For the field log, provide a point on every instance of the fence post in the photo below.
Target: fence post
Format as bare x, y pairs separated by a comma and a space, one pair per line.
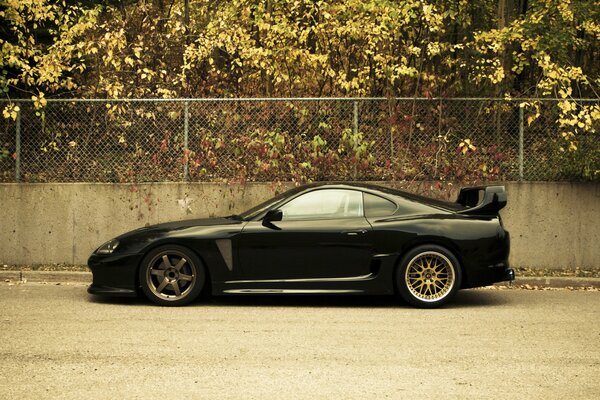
391, 130
520, 143
18, 147
355, 132
186, 128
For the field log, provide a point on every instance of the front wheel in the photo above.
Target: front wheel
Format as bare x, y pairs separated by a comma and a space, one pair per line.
428, 276
171, 276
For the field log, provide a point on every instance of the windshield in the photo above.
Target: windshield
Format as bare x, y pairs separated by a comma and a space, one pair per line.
262, 207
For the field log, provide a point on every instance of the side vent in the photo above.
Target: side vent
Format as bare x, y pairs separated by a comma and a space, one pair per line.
224, 246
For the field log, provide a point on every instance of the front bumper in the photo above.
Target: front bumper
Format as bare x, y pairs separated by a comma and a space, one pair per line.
114, 274
111, 291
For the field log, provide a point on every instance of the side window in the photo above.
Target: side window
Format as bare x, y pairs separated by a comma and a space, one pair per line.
325, 204
376, 206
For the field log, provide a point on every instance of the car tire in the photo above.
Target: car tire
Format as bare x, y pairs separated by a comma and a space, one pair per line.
428, 276
172, 275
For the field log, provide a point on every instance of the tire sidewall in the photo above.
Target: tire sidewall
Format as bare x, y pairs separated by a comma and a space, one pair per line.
196, 264
405, 292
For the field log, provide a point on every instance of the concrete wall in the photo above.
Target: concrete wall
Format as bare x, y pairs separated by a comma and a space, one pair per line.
552, 225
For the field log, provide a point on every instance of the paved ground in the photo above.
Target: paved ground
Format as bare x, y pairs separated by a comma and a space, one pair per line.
57, 342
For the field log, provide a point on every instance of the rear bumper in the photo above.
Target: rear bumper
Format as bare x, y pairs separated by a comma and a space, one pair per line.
489, 276
509, 275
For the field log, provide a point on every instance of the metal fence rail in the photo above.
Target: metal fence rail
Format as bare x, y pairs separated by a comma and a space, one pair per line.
146, 140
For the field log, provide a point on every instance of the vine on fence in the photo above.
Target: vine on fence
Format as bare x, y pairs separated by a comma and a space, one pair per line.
262, 154
300, 141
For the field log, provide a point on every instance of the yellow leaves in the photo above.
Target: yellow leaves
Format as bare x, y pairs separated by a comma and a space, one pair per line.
581, 117
595, 113
52, 145
432, 17
11, 111
592, 28
466, 146
576, 119
433, 49
564, 8
146, 73
114, 89
43, 63
571, 148
567, 135
414, 50
488, 69
532, 106
497, 74
567, 106
39, 101
292, 48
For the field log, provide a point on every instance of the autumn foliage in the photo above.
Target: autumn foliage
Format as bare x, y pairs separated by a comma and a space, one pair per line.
307, 48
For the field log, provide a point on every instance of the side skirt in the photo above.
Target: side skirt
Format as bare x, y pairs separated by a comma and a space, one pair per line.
290, 291
378, 282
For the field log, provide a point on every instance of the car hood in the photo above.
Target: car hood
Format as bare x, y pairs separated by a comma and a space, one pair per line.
136, 240
178, 225
170, 226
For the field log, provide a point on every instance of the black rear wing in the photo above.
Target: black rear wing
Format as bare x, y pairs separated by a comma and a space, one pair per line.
482, 200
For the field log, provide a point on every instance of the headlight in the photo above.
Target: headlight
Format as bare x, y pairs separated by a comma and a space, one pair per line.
108, 247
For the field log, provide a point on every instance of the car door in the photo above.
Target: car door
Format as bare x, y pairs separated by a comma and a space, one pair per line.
323, 234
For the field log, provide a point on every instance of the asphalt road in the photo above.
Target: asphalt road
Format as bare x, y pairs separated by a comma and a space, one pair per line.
58, 342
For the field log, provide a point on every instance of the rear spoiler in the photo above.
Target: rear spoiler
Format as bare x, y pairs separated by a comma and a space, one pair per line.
482, 200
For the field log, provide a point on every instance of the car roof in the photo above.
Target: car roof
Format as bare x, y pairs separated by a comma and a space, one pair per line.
369, 187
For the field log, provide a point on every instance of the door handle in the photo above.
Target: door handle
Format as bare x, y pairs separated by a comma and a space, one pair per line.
355, 233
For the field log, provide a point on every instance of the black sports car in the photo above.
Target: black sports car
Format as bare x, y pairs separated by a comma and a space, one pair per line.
318, 238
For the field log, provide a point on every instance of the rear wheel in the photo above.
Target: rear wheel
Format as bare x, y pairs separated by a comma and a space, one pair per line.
428, 276
171, 276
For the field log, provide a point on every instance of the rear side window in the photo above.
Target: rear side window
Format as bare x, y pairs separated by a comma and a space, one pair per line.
376, 206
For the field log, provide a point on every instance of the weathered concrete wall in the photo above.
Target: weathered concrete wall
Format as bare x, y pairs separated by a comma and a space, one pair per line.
64, 223
552, 225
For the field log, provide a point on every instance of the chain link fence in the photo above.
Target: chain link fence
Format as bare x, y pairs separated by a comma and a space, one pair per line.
455, 140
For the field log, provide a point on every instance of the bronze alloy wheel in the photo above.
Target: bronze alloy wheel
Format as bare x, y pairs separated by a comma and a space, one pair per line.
172, 275
430, 276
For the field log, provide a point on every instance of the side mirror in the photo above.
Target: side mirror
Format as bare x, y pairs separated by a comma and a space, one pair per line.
272, 216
